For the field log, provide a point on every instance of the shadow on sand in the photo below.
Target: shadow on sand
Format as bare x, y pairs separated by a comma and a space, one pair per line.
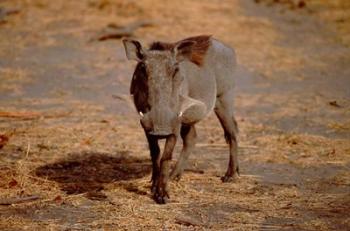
88, 172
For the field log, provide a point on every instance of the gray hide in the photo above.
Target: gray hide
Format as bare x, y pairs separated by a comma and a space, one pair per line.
172, 92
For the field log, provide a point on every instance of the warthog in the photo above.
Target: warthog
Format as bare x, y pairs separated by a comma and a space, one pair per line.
176, 85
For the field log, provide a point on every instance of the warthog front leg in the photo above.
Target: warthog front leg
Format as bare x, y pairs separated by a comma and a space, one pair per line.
161, 195
192, 110
188, 135
224, 112
154, 151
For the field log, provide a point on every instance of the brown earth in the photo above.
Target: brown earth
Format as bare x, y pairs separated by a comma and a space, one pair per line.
69, 135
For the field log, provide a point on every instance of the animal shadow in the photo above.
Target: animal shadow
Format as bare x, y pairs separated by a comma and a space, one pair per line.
89, 172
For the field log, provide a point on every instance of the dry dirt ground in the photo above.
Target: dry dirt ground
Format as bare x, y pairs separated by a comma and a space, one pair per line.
70, 137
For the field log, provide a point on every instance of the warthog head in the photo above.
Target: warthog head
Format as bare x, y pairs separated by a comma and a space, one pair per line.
158, 85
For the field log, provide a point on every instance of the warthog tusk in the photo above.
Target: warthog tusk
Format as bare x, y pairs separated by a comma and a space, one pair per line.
141, 114
180, 113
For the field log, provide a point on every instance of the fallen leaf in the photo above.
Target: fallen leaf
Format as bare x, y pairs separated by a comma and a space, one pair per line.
3, 140
301, 4
58, 200
13, 183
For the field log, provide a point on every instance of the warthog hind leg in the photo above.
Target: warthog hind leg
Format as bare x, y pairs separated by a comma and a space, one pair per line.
224, 112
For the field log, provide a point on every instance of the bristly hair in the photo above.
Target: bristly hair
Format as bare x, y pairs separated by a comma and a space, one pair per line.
161, 46
198, 51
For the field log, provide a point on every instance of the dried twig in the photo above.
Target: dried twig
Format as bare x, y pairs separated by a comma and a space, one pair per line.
5, 12
30, 115
17, 200
225, 145
199, 171
28, 149
187, 221
334, 104
117, 32
125, 98
22, 115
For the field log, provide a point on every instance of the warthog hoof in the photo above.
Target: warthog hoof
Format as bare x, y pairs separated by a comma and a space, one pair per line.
160, 193
229, 177
176, 175
226, 179
161, 198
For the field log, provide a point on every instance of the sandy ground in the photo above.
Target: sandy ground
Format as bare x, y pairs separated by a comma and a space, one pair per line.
69, 135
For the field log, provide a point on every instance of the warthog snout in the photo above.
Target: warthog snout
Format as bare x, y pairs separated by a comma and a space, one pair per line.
159, 121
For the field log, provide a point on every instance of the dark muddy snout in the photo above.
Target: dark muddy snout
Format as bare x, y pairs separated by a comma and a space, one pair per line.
159, 121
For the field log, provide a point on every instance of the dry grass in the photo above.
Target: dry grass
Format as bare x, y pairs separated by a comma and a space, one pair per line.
334, 13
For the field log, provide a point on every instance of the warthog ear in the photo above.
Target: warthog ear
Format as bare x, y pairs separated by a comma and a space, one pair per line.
183, 50
133, 50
